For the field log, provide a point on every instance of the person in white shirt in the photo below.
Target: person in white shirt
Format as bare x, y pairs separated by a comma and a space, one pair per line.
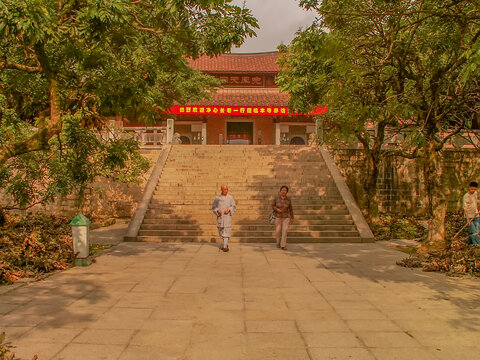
470, 207
224, 207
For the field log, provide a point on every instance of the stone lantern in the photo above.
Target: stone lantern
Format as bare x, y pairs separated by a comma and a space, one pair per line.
81, 244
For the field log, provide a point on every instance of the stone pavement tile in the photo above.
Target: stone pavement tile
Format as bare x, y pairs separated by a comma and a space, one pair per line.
269, 315
13, 332
384, 339
215, 352
354, 314
350, 353
16, 319
170, 313
189, 285
278, 326
136, 352
139, 300
90, 352
274, 340
105, 337
223, 340
320, 275
36, 309
408, 354
74, 317
408, 313
316, 326
150, 286
44, 350
215, 327
349, 304
277, 304
225, 305
185, 326
444, 339
121, 318
50, 335
301, 302
320, 315
373, 325
277, 354
332, 339
458, 352
175, 342
424, 325
5, 307
100, 300
220, 315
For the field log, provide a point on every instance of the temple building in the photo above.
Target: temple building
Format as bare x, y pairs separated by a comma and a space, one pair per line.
249, 109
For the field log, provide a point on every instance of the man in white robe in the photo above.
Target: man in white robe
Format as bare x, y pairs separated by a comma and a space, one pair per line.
224, 207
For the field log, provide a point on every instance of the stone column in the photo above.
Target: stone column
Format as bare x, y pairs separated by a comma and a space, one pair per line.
170, 130
277, 133
204, 133
319, 130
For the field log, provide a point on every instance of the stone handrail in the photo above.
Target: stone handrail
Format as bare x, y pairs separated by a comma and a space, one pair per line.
142, 206
362, 226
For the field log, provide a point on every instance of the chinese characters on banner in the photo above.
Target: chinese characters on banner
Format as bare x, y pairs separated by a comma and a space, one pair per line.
238, 110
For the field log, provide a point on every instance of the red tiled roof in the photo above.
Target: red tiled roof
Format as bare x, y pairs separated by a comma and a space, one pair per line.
238, 63
247, 97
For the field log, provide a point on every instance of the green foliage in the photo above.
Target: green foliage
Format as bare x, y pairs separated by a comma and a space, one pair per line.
74, 159
5, 353
66, 65
32, 246
390, 227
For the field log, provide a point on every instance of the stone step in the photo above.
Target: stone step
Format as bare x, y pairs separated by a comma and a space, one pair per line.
332, 220
265, 207
246, 233
244, 227
174, 198
259, 204
207, 239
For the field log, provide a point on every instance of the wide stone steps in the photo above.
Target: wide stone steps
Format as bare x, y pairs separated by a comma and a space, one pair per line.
180, 208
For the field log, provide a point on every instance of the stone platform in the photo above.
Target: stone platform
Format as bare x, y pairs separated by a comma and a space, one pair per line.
191, 301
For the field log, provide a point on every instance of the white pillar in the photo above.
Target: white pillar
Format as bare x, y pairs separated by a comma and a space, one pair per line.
170, 130
277, 133
204, 133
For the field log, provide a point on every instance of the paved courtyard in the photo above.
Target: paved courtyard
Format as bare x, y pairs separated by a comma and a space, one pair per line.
192, 301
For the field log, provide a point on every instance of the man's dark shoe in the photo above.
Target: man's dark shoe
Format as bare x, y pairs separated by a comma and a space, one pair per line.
225, 249
278, 246
284, 248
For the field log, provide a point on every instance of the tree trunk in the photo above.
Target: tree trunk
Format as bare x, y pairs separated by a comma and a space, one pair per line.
370, 187
2, 216
437, 204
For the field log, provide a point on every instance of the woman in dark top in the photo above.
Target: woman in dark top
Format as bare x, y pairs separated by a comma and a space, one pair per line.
282, 206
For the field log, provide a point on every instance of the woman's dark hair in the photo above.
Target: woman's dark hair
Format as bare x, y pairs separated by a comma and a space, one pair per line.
284, 186
473, 183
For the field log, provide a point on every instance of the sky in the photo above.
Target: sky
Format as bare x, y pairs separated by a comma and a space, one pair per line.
279, 20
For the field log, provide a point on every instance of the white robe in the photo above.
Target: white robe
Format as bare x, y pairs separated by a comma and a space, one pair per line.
224, 221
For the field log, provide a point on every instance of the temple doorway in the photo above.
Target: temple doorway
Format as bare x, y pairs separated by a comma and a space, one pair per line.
240, 133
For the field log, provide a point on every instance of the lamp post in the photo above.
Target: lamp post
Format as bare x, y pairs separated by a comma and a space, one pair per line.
81, 244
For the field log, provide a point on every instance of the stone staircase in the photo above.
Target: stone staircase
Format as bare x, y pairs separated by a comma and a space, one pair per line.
180, 208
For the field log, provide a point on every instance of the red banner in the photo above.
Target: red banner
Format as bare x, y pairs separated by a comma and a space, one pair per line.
239, 110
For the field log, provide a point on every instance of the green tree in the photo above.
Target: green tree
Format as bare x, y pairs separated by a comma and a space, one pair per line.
87, 59
410, 58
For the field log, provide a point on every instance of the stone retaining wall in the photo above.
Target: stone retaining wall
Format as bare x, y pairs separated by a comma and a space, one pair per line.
104, 199
400, 186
